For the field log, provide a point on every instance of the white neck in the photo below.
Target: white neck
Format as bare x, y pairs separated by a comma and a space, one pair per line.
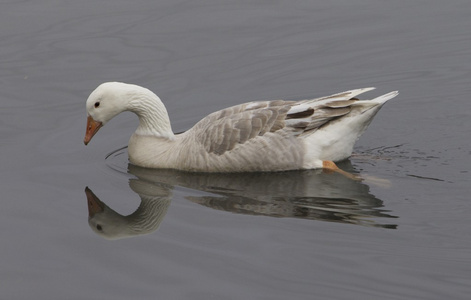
153, 116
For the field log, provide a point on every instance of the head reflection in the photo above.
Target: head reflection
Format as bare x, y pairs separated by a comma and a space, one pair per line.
104, 221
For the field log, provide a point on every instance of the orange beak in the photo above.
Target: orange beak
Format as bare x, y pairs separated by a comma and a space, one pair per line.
94, 204
92, 128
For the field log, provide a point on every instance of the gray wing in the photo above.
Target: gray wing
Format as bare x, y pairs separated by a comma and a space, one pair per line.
223, 130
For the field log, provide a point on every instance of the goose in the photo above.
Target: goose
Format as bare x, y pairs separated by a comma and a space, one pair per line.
265, 136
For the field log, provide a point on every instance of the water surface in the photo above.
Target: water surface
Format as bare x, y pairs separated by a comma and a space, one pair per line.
290, 235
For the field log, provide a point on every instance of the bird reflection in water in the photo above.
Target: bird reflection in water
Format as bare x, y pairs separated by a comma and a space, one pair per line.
155, 200
309, 194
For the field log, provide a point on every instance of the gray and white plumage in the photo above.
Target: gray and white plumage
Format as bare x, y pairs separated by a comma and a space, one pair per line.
255, 136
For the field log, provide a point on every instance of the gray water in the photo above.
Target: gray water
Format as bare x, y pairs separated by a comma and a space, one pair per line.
403, 234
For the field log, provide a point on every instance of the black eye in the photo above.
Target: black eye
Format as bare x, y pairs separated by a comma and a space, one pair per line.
98, 226
97, 104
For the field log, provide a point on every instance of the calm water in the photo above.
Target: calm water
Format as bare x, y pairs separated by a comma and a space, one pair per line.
403, 234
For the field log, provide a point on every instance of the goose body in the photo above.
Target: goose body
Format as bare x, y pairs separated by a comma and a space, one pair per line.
273, 135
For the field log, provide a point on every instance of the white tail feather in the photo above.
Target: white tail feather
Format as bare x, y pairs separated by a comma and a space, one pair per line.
386, 97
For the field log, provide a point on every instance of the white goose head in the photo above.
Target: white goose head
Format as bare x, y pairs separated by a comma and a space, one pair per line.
112, 98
